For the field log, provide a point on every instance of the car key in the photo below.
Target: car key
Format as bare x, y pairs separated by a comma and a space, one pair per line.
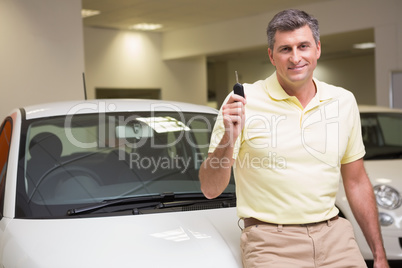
238, 88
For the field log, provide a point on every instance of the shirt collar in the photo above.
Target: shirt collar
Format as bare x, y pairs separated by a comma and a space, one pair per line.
275, 90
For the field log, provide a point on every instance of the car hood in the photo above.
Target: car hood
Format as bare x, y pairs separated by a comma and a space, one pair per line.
207, 238
385, 172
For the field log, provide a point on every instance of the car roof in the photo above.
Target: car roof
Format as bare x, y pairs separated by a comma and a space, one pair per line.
111, 105
377, 109
137, 105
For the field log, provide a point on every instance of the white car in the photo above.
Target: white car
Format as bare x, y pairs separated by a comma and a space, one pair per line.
382, 137
111, 183
114, 183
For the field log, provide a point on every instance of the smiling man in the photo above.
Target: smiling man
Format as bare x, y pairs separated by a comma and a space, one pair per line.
314, 128
295, 58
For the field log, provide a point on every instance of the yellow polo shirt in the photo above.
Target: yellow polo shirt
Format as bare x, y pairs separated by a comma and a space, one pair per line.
288, 159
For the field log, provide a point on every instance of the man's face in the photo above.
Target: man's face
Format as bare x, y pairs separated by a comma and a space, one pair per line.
295, 56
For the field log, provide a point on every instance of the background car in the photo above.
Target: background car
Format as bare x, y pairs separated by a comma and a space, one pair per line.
111, 183
382, 137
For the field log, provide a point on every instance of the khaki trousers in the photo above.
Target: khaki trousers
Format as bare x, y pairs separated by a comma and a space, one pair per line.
329, 244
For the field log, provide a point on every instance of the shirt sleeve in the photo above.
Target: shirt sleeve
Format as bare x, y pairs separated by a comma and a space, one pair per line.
355, 147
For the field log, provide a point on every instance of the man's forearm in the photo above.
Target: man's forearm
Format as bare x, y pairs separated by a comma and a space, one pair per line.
215, 171
359, 192
365, 212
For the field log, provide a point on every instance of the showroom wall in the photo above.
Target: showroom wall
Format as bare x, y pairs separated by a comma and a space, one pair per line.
41, 52
334, 16
133, 60
355, 73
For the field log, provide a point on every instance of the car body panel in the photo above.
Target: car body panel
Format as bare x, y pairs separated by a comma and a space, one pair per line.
378, 109
173, 239
12, 166
110, 105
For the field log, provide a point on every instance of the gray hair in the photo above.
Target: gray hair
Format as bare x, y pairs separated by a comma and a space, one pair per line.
290, 20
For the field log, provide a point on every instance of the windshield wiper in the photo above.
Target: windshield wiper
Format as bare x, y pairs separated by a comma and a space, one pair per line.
164, 200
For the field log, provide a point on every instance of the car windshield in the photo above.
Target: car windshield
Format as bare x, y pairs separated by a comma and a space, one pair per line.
382, 135
73, 161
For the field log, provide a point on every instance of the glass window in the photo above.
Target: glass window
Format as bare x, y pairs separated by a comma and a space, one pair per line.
391, 126
382, 135
86, 159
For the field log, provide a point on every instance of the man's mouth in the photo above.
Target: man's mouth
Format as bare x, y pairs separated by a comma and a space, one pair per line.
297, 68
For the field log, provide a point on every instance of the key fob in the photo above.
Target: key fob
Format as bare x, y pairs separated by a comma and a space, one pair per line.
238, 88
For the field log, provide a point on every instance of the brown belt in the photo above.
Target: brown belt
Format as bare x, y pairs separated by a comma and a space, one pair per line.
252, 221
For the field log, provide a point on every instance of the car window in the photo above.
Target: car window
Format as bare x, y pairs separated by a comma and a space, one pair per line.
5, 140
201, 129
391, 126
382, 135
87, 159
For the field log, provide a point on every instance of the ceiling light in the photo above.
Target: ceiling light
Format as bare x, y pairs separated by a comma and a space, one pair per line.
89, 12
364, 45
146, 26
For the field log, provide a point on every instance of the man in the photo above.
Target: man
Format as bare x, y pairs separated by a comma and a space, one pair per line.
289, 144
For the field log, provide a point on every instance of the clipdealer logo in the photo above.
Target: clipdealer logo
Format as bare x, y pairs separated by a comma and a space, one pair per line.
319, 138
108, 123
88, 107
326, 121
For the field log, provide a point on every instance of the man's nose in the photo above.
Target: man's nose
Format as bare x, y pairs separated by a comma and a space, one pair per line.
295, 57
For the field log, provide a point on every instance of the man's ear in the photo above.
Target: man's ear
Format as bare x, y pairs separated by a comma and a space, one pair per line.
271, 56
318, 49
